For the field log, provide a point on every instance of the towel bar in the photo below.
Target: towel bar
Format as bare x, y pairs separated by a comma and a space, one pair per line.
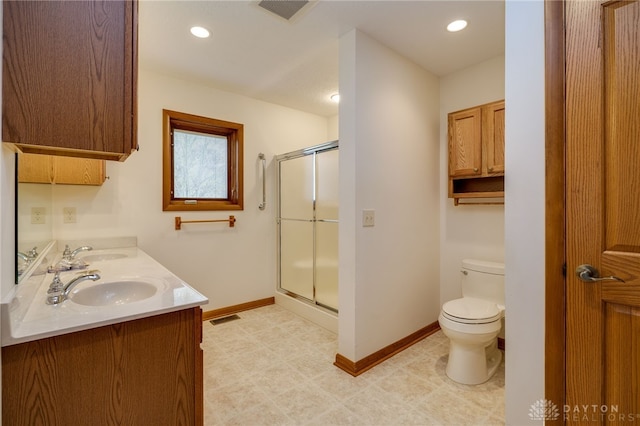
179, 221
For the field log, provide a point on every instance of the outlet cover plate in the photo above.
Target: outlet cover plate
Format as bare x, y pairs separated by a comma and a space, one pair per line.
38, 215
69, 214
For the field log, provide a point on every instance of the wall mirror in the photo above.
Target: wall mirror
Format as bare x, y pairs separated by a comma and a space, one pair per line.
34, 227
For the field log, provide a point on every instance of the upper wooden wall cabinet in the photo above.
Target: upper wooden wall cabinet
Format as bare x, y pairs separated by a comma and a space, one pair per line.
69, 77
34, 168
476, 152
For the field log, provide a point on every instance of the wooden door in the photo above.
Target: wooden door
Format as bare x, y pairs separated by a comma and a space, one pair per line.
465, 142
603, 211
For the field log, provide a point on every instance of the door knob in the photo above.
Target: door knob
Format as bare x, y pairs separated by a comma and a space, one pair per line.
589, 274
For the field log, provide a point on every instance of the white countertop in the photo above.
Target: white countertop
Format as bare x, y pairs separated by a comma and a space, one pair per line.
27, 317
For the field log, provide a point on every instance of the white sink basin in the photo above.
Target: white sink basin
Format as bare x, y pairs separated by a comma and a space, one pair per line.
102, 256
113, 293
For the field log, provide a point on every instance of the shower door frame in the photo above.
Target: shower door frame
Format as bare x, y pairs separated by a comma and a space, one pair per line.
312, 150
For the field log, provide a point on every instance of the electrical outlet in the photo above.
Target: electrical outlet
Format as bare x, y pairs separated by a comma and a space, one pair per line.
368, 218
38, 215
69, 215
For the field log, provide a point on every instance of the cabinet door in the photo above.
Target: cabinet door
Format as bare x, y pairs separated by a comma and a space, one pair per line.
69, 71
493, 136
141, 372
34, 168
78, 171
465, 142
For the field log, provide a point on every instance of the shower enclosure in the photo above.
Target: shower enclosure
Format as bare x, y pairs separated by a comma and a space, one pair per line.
307, 218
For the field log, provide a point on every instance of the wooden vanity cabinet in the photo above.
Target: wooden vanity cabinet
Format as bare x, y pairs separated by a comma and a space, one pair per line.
476, 152
36, 168
142, 372
69, 77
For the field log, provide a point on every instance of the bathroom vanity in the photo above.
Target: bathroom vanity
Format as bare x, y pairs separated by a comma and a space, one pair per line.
109, 354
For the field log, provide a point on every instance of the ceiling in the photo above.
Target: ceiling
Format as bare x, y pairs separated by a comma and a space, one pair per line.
294, 62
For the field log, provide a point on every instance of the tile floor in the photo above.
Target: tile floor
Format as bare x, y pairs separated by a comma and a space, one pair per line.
272, 367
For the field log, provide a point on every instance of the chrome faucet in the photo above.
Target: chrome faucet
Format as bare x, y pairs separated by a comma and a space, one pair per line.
67, 254
30, 256
33, 253
58, 291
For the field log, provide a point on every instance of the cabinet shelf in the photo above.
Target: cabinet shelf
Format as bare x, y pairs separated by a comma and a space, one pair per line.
478, 187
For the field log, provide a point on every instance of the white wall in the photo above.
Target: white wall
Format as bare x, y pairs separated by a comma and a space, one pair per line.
524, 209
228, 265
333, 128
389, 162
475, 232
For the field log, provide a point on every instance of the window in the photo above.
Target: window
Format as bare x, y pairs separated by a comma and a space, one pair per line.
202, 163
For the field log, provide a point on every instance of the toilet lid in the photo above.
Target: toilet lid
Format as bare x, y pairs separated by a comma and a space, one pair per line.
471, 311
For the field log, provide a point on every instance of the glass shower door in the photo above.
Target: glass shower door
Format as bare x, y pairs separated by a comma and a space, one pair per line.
296, 226
326, 231
308, 224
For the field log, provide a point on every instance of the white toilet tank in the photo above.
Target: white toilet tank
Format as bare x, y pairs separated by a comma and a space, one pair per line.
483, 280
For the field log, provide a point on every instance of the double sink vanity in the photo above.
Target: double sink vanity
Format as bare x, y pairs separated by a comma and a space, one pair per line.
121, 347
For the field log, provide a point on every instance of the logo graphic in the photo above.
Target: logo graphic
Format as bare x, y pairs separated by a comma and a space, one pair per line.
543, 409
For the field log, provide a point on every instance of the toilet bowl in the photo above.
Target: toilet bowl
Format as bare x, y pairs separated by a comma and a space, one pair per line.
473, 323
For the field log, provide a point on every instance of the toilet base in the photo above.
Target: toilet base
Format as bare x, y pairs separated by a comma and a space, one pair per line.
473, 364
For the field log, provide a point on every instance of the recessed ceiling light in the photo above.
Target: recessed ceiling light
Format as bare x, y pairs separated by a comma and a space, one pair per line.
200, 32
335, 97
458, 25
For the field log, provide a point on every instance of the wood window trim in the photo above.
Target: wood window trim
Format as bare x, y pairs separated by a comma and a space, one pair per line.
235, 134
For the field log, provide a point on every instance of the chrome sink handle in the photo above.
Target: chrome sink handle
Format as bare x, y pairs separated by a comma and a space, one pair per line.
62, 294
589, 274
56, 285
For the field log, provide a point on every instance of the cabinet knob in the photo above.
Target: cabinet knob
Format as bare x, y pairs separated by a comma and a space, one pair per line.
490, 169
475, 169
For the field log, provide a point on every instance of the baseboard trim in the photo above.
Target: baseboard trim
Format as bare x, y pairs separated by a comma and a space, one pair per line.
223, 312
368, 362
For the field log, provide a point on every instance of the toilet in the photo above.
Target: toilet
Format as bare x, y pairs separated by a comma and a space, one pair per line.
473, 323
